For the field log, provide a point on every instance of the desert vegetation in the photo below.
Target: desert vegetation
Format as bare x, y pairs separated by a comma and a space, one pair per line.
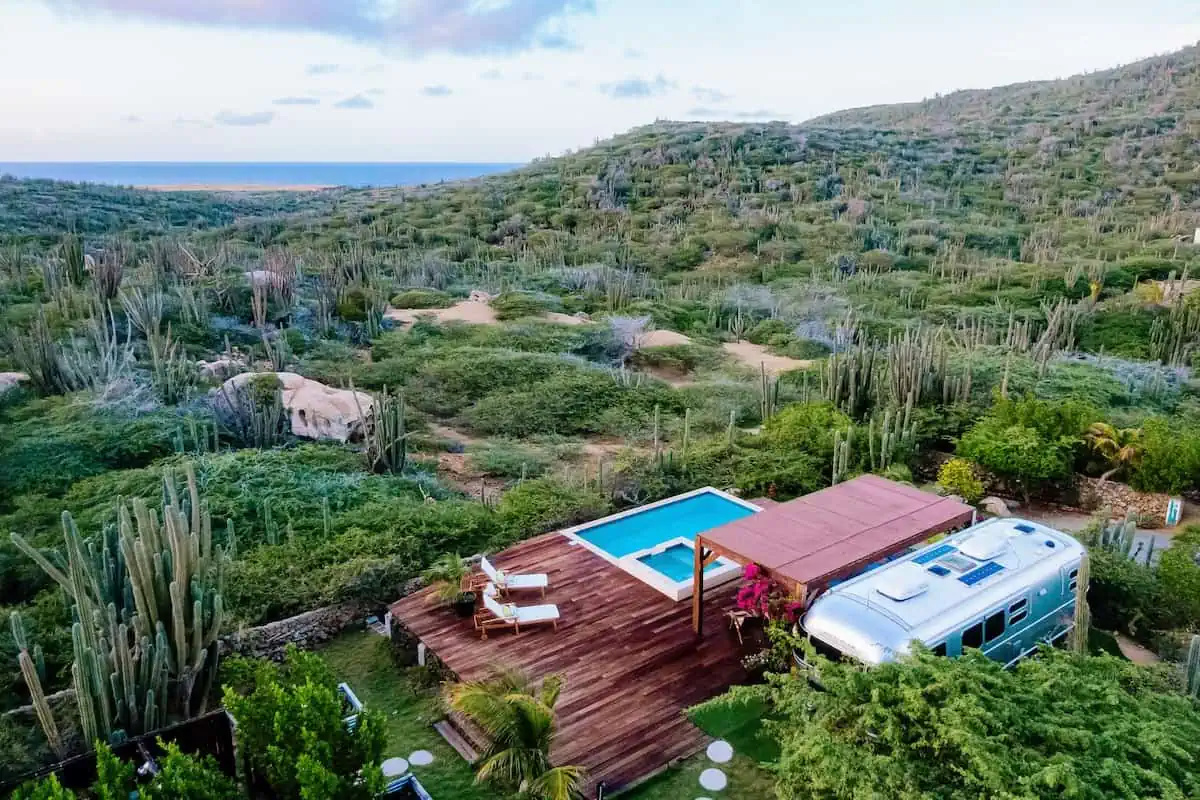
998, 277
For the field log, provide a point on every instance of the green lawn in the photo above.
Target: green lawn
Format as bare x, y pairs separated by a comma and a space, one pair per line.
363, 660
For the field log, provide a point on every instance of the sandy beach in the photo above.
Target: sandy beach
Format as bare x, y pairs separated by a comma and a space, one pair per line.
236, 187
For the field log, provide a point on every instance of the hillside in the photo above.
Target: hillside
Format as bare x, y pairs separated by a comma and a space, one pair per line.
997, 275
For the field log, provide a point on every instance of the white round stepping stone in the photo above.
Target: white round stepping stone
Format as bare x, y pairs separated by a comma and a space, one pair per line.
421, 758
713, 779
720, 751
394, 767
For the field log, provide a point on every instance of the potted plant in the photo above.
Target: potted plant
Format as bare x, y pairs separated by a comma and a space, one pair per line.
447, 576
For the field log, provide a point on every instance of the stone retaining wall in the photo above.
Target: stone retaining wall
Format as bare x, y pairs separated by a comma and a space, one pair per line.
1149, 508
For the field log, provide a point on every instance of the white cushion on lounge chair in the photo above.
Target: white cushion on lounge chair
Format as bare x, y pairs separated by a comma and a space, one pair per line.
521, 614
500, 578
532, 581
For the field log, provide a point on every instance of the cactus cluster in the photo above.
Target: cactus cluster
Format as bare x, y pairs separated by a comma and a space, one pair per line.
147, 607
1191, 667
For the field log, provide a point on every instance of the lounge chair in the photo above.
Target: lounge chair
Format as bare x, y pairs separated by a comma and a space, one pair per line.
496, 615
512, 583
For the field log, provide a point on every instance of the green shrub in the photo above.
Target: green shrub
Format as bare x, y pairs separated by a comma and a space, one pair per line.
514, 305
677, 357
422, 298
957, 476
291, 730
806, 428
547, 504
509, 459
1170, 459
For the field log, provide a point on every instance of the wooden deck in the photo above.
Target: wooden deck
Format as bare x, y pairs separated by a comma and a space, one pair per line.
631, 661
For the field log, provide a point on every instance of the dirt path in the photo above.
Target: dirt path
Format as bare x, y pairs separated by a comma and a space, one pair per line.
1135, 652
755, 355
662, 339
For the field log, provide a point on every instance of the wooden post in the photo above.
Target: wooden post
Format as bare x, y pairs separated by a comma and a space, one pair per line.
698, 588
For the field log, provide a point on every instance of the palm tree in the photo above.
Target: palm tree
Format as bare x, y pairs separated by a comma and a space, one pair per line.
1119, 447
518, 719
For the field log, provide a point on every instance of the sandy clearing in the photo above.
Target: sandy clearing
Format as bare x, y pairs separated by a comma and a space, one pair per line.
662, 339
471, 311
564, 319
755, 355
475, 312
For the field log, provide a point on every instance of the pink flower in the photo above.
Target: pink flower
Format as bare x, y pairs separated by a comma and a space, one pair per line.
752, 572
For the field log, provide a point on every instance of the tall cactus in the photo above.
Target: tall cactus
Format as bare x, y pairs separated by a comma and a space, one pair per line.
386, 432
147, 609
33, 670
1083, 614
1192, 668
841, 455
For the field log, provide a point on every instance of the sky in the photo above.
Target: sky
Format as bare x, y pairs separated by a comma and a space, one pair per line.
508, 80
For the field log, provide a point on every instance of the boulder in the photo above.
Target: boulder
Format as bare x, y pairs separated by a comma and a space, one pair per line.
480, 296
995, 506
10, 380
316, 411
221, 368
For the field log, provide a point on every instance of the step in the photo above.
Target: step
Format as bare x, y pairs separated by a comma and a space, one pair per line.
457, 741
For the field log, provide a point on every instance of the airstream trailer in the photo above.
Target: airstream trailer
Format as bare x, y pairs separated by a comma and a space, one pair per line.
1002, 586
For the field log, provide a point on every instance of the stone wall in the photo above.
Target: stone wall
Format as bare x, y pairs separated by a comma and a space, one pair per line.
1149, 508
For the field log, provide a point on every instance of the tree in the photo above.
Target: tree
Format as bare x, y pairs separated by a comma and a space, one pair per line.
518, 719
184, 777
1056, 726
291, 726
957, 476
1120, 448
1027, 441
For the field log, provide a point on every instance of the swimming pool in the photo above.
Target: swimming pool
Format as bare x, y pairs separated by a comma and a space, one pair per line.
655, 543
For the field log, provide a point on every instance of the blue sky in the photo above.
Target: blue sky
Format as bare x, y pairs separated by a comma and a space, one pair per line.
507, 80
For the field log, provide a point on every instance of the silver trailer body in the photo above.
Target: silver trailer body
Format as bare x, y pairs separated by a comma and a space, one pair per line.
1002, 586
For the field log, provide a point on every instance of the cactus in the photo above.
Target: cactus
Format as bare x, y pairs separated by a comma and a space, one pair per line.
768, 394
148, 608
73, 258
387, 437
1083, 614
841, 454
33, 670
1119, 537
1192, 668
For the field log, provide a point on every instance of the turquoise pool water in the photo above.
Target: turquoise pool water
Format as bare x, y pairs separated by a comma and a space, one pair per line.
676, 562
653, 526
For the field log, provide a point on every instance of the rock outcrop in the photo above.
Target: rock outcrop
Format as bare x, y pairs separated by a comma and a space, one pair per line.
11, 380
316, 411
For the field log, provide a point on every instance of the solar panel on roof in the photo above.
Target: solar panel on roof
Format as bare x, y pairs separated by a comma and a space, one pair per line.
939, 570
1023, 528
976, 575
934, 554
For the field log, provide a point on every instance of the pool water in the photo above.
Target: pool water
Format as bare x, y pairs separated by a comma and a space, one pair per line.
676, 562
647, 529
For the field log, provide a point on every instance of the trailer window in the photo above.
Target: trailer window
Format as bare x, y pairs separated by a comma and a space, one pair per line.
993, 628
1018, 611
1073, 579
939, 649
973, 636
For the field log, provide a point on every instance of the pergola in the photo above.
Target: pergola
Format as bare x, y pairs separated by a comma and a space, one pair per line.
808, 542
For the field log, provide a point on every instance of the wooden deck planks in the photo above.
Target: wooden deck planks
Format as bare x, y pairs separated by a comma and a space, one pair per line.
631, 661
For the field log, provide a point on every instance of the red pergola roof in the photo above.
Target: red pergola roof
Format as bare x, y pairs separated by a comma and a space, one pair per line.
836, 531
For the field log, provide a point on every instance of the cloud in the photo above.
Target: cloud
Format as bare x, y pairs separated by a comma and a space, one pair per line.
633, 52
437, 91
704, 112
418, 26
376, 92
759, 114
192, 123
322, 69
707, 95
297, 101
131, 119
492, 75
244, 120
557, 41
357, 101
637, 87
531, 76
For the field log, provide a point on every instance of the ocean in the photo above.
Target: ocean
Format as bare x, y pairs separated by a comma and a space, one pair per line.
211, 173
